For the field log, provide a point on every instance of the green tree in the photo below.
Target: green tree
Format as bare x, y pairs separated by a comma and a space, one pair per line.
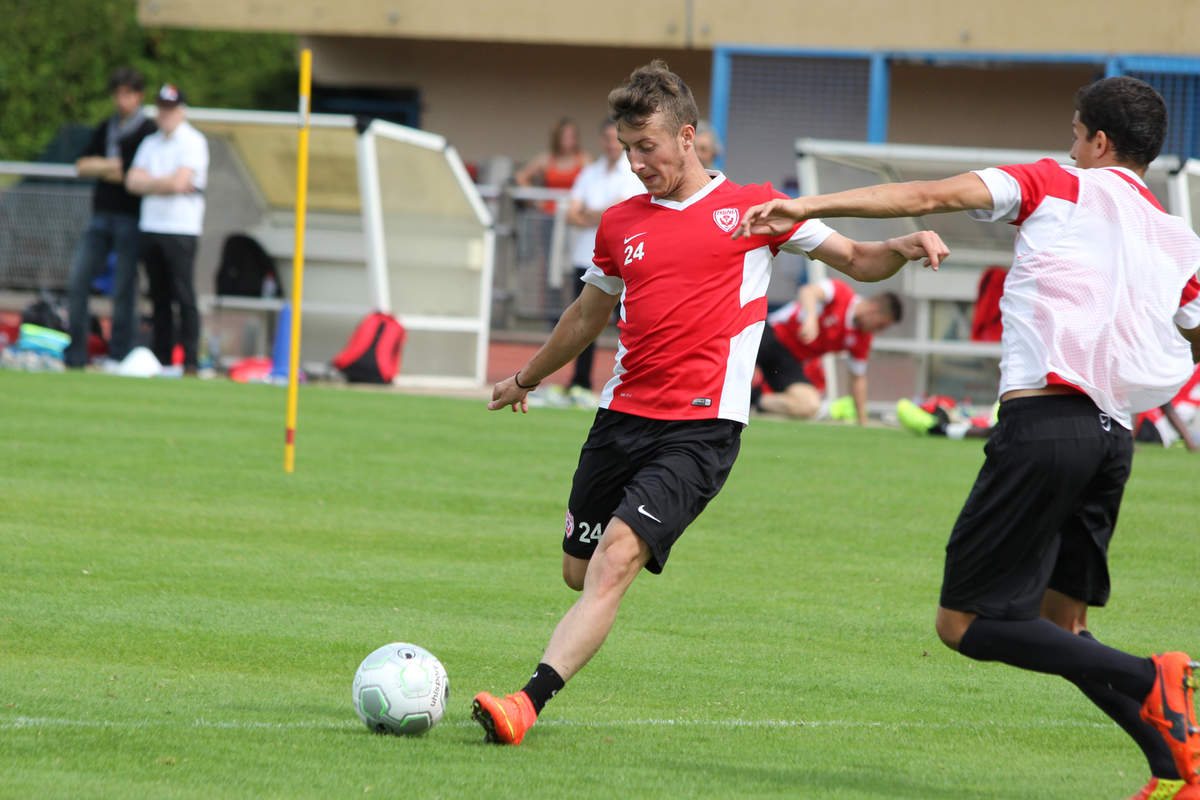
56, 57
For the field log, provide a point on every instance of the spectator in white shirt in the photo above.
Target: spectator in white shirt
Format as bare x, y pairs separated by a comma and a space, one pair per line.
171, 171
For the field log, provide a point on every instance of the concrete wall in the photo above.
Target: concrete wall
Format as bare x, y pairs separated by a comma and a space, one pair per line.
1164, 26
1023, 107
490, 98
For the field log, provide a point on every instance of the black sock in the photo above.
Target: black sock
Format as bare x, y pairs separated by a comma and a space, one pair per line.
1042, 646
1126, 712
544, 684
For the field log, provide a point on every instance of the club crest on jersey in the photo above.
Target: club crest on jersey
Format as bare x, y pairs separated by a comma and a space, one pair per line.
726, 218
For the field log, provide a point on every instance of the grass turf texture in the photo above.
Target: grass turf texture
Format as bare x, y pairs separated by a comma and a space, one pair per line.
179, 618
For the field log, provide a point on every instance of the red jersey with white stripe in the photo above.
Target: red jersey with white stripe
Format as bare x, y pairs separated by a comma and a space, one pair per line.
693, 300
1100, 278
838, 332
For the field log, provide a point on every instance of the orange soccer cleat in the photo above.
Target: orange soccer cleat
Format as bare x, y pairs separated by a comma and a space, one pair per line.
1170, 708
506, 719
1163, 789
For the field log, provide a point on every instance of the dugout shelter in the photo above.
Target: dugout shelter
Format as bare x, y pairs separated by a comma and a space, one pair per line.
393, 224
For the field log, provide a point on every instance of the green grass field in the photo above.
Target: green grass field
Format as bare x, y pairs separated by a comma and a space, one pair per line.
179, 618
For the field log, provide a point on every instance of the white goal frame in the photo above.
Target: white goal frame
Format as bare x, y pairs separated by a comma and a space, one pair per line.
377, 257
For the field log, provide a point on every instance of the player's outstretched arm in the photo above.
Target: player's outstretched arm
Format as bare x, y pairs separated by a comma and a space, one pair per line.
886, 200
875, 261
580, 324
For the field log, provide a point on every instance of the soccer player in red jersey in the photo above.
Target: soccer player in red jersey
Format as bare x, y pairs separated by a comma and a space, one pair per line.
692, 309
1101, 314
825, 317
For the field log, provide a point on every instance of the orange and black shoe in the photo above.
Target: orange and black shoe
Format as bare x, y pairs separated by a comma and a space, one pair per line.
1170, 708
1164, 789
505, 720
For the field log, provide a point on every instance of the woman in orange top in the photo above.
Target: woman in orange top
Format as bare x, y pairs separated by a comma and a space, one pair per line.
557, 168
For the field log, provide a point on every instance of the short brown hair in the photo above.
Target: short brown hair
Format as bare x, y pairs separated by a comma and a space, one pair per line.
654, 88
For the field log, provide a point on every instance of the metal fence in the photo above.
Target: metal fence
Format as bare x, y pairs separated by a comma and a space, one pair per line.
532, 276
44, 210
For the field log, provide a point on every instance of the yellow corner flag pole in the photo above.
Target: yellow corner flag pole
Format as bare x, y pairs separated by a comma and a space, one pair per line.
289, 447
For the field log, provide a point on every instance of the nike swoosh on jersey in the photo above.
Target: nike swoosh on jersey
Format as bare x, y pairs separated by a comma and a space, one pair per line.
642, 510
636, 235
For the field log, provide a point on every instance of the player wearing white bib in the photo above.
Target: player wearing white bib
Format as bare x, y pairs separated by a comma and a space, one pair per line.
692, 308
1101, 313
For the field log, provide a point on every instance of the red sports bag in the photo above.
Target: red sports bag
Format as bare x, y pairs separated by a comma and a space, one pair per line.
373, 353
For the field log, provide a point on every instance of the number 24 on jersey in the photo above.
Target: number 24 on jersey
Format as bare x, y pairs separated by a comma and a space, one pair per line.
631, 253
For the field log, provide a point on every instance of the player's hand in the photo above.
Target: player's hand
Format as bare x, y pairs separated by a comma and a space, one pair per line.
809, 329
507, 393
771, 218
925, 245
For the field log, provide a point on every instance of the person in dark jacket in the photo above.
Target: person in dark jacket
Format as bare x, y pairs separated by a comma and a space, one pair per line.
113, 227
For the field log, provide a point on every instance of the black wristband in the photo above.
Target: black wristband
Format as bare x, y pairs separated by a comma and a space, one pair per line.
517, 381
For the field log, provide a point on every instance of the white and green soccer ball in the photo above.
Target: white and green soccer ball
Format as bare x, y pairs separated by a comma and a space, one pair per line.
400, 688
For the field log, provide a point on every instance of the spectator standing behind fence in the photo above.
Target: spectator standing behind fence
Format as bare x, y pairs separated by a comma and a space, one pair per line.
708, 145
171, 170
558, 167
599, 185
113, 227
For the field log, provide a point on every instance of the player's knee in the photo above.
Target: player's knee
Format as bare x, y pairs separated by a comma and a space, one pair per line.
1064, 611
573, 571
572, 579
948, 635
951, 626
803, 401
1065, 620
619, 558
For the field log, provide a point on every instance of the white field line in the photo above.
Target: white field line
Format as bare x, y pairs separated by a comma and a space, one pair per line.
16, 723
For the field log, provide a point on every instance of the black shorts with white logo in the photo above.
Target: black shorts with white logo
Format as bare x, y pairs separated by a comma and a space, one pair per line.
655, 475
1042, 511
780, 368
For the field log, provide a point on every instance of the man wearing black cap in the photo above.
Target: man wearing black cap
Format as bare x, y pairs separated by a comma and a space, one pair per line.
170, 170
113, 227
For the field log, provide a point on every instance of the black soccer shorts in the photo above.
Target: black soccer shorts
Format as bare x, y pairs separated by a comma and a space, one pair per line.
780, 368
654, 475
1042, 511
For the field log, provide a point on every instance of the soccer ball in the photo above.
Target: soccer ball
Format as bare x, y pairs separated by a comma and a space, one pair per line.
400, 688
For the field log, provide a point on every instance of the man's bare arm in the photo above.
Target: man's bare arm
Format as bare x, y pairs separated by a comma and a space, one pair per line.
580, 324
858, 390
875, 261
581, 216
140, 181
100, 167
914, 199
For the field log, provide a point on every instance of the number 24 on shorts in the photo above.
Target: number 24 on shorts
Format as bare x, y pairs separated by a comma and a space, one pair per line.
590, 532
